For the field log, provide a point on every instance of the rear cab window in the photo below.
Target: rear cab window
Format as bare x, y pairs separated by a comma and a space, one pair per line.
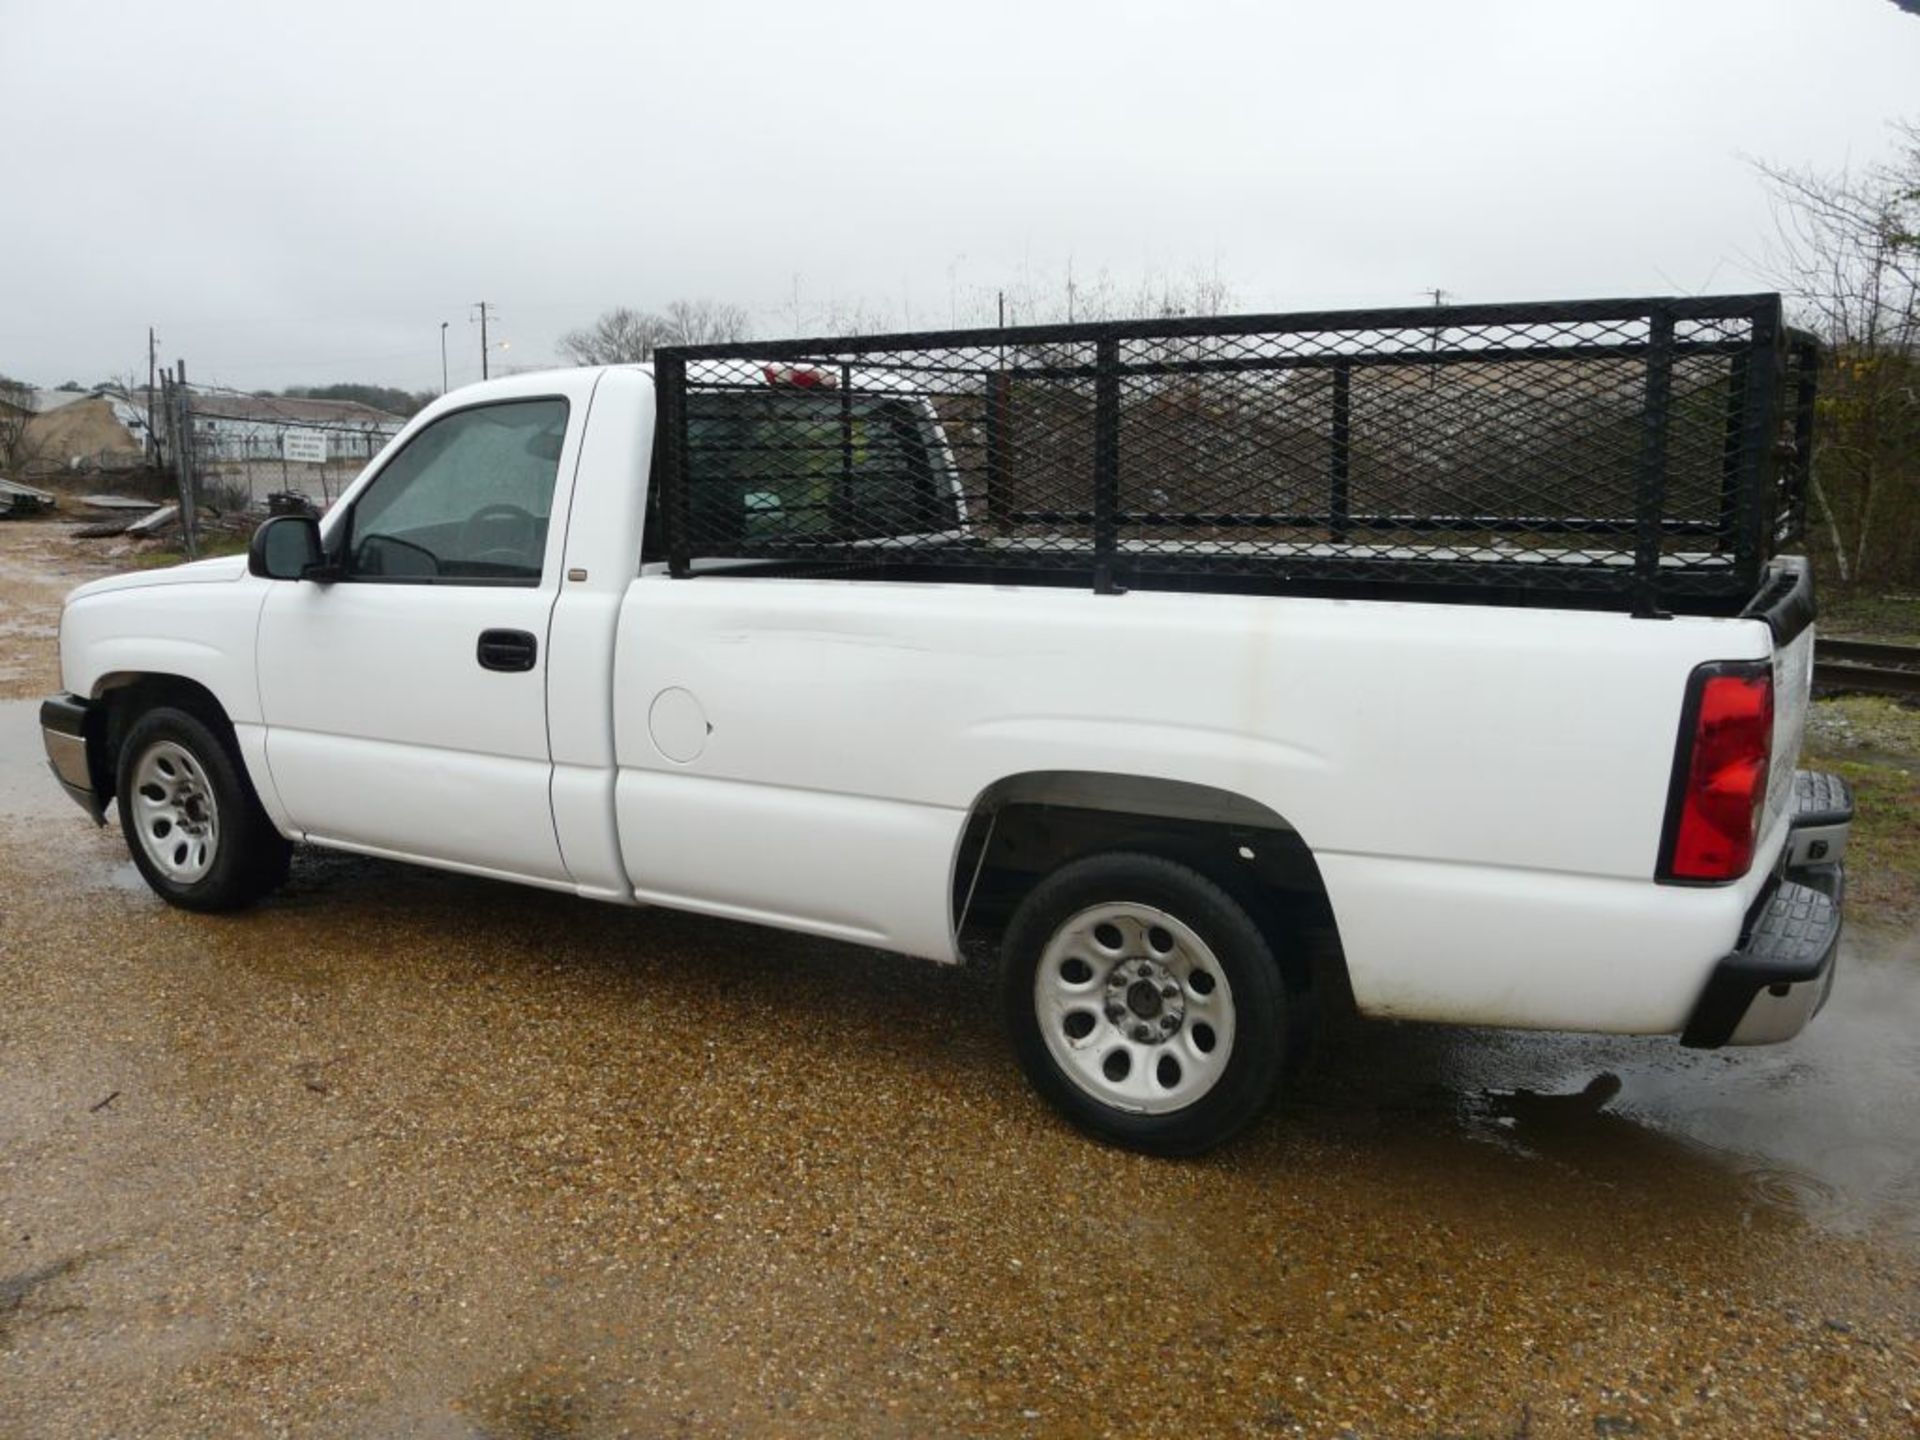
790, 465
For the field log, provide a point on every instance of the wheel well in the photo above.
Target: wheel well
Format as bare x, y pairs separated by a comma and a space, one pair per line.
1024, 828
121, 698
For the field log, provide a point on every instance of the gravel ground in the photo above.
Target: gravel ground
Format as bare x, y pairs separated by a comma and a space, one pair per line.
408, 1153
39, 563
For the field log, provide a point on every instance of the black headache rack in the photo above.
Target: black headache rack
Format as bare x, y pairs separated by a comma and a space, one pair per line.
1643, 455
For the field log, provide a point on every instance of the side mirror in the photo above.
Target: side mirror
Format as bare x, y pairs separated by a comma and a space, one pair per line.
287, 547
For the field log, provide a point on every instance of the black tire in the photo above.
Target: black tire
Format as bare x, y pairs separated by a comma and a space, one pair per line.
247, 857
1256, 1055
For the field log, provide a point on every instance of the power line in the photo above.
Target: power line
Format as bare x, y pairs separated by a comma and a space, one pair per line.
412, 352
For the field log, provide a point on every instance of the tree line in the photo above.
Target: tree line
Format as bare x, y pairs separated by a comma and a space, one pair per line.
1847, 252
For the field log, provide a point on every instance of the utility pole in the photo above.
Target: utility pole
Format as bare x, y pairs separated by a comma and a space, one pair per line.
163, 443
443, 357
1000, 298
153, 440
481, 306
183, 461
1439, 299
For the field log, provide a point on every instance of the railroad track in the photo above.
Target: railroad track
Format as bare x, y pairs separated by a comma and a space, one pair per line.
1874, 666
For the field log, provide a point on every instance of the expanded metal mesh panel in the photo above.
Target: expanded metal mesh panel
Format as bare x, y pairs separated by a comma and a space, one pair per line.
1787, 508
1624, 451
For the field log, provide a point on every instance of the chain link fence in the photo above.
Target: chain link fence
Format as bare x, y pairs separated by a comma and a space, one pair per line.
243, 462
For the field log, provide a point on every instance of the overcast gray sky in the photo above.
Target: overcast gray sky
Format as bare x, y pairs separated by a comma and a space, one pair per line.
299, 195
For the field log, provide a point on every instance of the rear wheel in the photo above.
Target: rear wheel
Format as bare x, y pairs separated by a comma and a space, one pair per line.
193, 824
1145, 1003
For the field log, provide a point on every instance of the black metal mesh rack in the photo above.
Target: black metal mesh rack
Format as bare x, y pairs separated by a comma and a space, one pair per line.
1633, 454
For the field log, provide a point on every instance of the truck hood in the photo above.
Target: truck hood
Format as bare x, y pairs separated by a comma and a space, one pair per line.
220, 567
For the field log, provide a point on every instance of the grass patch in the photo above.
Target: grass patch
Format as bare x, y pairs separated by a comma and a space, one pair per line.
1884, 617
1883, 850
1874, 743
1875, 725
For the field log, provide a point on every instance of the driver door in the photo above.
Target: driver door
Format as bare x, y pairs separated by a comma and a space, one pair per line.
405, 701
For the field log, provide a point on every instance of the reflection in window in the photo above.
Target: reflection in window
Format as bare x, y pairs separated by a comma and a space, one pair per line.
469, 499
791, 466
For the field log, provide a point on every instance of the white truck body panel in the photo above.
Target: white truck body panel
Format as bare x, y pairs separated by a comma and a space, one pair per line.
366, 703
1425, 753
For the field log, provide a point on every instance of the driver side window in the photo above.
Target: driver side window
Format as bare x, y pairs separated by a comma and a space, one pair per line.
467, 502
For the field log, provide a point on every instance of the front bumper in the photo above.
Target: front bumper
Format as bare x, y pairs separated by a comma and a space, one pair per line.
63, 730
1779, 977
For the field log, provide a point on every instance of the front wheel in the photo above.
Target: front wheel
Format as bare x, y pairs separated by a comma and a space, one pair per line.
192, 822
1145, 1003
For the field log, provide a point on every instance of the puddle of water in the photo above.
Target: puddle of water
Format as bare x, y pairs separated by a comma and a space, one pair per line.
1828, 1122
1824, 1127
28, 792
27, 788
126, 876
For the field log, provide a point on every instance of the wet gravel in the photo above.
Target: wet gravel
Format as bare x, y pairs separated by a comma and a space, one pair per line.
39, 562
409, 1153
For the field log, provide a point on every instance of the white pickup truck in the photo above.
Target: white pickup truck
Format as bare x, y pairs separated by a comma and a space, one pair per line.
1135, 655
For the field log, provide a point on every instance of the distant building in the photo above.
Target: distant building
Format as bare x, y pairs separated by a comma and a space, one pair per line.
47, 401
259, 443
255, 427
80, 430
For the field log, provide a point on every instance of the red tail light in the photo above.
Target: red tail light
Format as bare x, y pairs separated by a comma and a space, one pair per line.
1720, 773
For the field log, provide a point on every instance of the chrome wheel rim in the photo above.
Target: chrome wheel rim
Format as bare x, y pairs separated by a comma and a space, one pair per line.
176, 820
1134, 1008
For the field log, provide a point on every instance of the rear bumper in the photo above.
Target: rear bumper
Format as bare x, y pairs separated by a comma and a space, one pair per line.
63, 731
1779, 977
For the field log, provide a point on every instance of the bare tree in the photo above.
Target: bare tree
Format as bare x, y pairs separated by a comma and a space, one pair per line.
1156, 296
1848, 252
16, 414
130, 390
704, 322
851, 316
624, 336
619, 337
1022, 299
